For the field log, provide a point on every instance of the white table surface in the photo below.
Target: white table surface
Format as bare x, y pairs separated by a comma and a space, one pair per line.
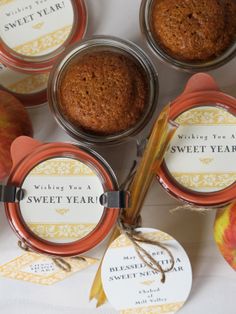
214, 282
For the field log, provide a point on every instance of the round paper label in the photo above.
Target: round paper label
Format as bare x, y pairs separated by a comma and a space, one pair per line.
20, 83
35, 27
61, 202
132, 287
201, 156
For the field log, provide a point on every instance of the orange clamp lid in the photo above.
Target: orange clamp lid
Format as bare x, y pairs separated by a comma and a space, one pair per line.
60, 214
201, 93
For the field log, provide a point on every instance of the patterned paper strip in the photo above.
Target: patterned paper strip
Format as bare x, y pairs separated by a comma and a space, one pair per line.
205, 180
62, 168
44, 43
155, 236
207, 116
158, 309
63, 231
29, 84
39, 269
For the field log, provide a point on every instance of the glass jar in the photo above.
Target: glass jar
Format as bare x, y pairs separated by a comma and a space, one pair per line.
30, 89
199, 166
194, 66
61, 199
34, 34
102, 44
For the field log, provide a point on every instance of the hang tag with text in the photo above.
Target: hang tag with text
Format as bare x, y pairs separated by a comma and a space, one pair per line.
40, 269
132, 287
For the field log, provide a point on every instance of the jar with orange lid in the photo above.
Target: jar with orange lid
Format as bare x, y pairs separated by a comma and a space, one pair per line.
199, 166
61, 199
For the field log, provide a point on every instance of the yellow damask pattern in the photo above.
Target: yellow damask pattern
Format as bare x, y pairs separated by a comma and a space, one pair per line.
17, 269
38, 25
206, 160
148, 282
3, 2
63, 231
123, 241
38, 46
156, 309
205, 180
62, 167
206, 116
62, 211
29, 84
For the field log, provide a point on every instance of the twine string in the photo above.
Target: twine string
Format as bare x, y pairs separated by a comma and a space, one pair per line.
58, 261
129, 176
23, 246
198, 209
79, 258
136, 237
140, 146
62, 264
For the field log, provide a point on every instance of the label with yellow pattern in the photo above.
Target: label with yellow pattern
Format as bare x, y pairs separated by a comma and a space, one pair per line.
35, 27
40, 269
61, 202
21, 83
132, 287
201, 156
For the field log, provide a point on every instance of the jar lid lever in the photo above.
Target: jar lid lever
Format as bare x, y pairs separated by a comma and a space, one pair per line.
11, 194
115, 199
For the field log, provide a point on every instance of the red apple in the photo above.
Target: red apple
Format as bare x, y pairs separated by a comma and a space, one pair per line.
14, 122
225, 233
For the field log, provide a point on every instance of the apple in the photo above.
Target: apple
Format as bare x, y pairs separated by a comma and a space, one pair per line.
14, 122
225, 233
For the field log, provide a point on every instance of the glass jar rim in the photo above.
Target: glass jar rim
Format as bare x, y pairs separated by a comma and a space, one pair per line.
116, 44
42, 64
182, 104
30, 101
39, 153
144, 18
